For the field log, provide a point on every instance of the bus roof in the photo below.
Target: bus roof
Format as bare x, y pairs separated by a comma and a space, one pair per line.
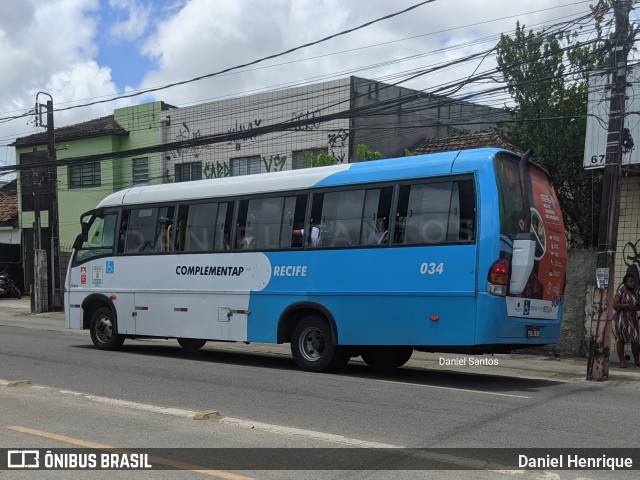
393, 169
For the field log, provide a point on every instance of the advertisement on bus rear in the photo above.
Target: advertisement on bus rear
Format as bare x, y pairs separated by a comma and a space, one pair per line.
543, 293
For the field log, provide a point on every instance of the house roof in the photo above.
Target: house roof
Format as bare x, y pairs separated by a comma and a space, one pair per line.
463, 142
9, 203
98, 127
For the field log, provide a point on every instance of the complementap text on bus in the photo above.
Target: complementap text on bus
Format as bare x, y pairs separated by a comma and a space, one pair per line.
460, 251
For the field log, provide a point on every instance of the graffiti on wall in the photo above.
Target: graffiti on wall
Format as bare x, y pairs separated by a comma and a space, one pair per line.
216, 170
338, 145
274, 163
245, 131
631, 257
296, 117
184, 133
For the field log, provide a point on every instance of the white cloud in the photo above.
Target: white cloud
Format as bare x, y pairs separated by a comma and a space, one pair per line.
204, 37
52, 45
136, 23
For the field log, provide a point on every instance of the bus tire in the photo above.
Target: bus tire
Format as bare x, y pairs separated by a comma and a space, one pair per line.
385, 359
103, 330
191, 344
312, 346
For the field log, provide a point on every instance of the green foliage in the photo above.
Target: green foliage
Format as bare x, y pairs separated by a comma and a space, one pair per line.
408, 153
363, 154
321, 159
548, 84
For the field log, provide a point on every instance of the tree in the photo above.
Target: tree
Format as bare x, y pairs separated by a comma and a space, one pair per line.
363, 154
321, 159
547, 80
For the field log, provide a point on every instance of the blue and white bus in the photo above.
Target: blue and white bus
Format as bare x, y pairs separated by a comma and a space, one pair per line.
461, 251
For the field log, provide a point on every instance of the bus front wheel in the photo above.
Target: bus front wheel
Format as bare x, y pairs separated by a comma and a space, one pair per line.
312, 346
384, 359
191, 344
102, 328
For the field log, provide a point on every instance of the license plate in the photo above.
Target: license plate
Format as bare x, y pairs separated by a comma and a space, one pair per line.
533, 332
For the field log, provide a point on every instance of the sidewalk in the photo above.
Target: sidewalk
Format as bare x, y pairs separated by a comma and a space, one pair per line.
16, 313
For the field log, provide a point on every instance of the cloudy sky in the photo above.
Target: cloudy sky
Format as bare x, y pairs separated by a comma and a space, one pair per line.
80, 51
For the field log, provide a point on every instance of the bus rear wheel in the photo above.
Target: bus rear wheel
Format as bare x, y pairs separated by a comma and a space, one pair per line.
191, 344
103, 330
312, 346
385, 359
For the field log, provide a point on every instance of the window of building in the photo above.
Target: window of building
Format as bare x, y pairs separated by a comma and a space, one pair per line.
245, 165
85, 175
140, 170
185, 172
303, 158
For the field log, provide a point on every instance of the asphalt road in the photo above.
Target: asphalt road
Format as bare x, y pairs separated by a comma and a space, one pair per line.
411, 408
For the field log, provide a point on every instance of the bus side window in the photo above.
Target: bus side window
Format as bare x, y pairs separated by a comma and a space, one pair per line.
467, 195
198, 229
292, 225
435, 213
163, 230
341, 218
180, 236
223, 227
375, 217
144, 230
122, 233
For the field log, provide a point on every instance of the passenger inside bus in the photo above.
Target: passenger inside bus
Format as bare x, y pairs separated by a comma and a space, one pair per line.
315, 235
379, 234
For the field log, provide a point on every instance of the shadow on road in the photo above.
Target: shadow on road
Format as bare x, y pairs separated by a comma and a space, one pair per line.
412, 374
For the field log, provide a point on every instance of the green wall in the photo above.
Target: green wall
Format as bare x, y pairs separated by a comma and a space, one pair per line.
143, 124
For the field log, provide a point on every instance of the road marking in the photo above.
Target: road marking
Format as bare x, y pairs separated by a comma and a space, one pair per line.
272, 428
455, 389
327, 437
158, 460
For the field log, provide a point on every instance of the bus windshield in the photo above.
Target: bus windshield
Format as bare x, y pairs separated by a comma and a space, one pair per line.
99, 238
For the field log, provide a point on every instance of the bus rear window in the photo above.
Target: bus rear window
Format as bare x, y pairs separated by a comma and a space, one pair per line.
512, 212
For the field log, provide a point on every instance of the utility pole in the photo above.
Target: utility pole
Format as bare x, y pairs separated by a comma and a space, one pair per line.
52, 181
598, 355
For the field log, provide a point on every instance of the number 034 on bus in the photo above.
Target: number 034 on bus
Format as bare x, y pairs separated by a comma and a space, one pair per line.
460, 251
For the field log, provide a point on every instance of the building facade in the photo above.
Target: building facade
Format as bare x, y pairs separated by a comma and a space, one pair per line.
265, 132
79, 186
332, 117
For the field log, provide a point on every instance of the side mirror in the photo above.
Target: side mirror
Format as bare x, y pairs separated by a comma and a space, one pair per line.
85, 231
77, 243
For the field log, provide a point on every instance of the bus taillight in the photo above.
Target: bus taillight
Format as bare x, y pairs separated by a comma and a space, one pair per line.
498, 277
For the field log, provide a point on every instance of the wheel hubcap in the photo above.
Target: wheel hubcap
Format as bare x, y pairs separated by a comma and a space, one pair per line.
104, 329
311, 344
